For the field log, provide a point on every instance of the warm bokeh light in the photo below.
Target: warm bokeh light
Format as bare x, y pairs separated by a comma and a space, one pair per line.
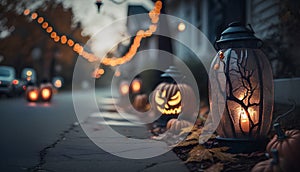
29, 73
34, 16
70, 42
46, 94
63, 39
26, 12
40, 20
58, 83
117, 73
98, 73
101, 71
136, 85
49, 29
108, 61
57, 38
181, 27
53, 35
15, 82
124, 88
33, 95
45, 25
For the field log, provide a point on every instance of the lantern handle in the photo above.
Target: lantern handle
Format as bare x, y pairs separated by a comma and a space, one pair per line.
286, 113
277, 127
260, 42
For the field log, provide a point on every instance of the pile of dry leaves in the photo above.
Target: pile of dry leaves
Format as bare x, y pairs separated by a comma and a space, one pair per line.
209, 156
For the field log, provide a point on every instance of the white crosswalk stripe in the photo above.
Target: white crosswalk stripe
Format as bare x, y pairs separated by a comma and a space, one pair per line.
108, 115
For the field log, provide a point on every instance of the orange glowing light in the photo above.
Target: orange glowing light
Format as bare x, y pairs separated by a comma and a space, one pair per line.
45, 25
56, 39
33, 95
58, 84
40, 20
124, 88
181, 27
34, 16
63, 39
46, 93
53, 35
108, 61
29, 73
49, 29
101, 71
245, 121
136, 85
15, 82
117, 73
70, 42
26, 12
98, 73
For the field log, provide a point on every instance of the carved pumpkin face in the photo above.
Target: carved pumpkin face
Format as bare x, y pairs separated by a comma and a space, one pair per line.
174, 99
168, 102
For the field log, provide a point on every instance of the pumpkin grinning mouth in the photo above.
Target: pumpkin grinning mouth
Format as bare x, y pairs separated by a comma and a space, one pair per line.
170, 111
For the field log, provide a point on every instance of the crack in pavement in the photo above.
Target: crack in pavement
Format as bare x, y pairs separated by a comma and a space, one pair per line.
43, 153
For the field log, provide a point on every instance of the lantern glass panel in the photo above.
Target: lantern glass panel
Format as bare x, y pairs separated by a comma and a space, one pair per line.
242, 93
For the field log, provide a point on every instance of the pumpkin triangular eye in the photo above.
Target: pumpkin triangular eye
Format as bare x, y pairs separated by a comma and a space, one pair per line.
176, 95
175, 100
163, 94
159, 100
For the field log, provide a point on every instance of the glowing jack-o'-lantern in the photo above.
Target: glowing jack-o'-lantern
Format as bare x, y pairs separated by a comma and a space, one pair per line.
173, 99
168, 100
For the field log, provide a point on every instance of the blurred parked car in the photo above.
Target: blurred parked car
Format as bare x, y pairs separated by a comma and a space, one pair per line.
7, 76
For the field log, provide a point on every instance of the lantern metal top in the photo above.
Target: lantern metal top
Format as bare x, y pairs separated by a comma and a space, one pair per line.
238, 36
171, 75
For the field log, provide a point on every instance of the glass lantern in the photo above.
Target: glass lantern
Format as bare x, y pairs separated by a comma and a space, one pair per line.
241, 86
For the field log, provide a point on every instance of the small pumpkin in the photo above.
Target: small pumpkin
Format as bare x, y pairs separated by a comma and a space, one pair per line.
270, 165
175, 125
288, 144
140, 103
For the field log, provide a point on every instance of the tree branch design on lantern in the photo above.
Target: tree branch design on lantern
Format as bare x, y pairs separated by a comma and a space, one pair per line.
242, 91
241, 96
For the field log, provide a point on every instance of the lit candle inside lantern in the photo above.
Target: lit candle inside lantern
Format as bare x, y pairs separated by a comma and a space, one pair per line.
244, 121
252, 113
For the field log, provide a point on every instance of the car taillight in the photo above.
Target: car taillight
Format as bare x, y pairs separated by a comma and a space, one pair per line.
46, 94
32, 95
15, 82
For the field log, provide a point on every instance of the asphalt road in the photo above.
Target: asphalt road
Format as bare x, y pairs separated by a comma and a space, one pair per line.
47, 137
28, 127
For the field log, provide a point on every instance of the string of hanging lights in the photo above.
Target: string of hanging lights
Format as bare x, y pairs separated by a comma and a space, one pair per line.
107, 61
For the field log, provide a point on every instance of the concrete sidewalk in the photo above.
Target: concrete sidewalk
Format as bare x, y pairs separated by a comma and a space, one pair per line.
76, 152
